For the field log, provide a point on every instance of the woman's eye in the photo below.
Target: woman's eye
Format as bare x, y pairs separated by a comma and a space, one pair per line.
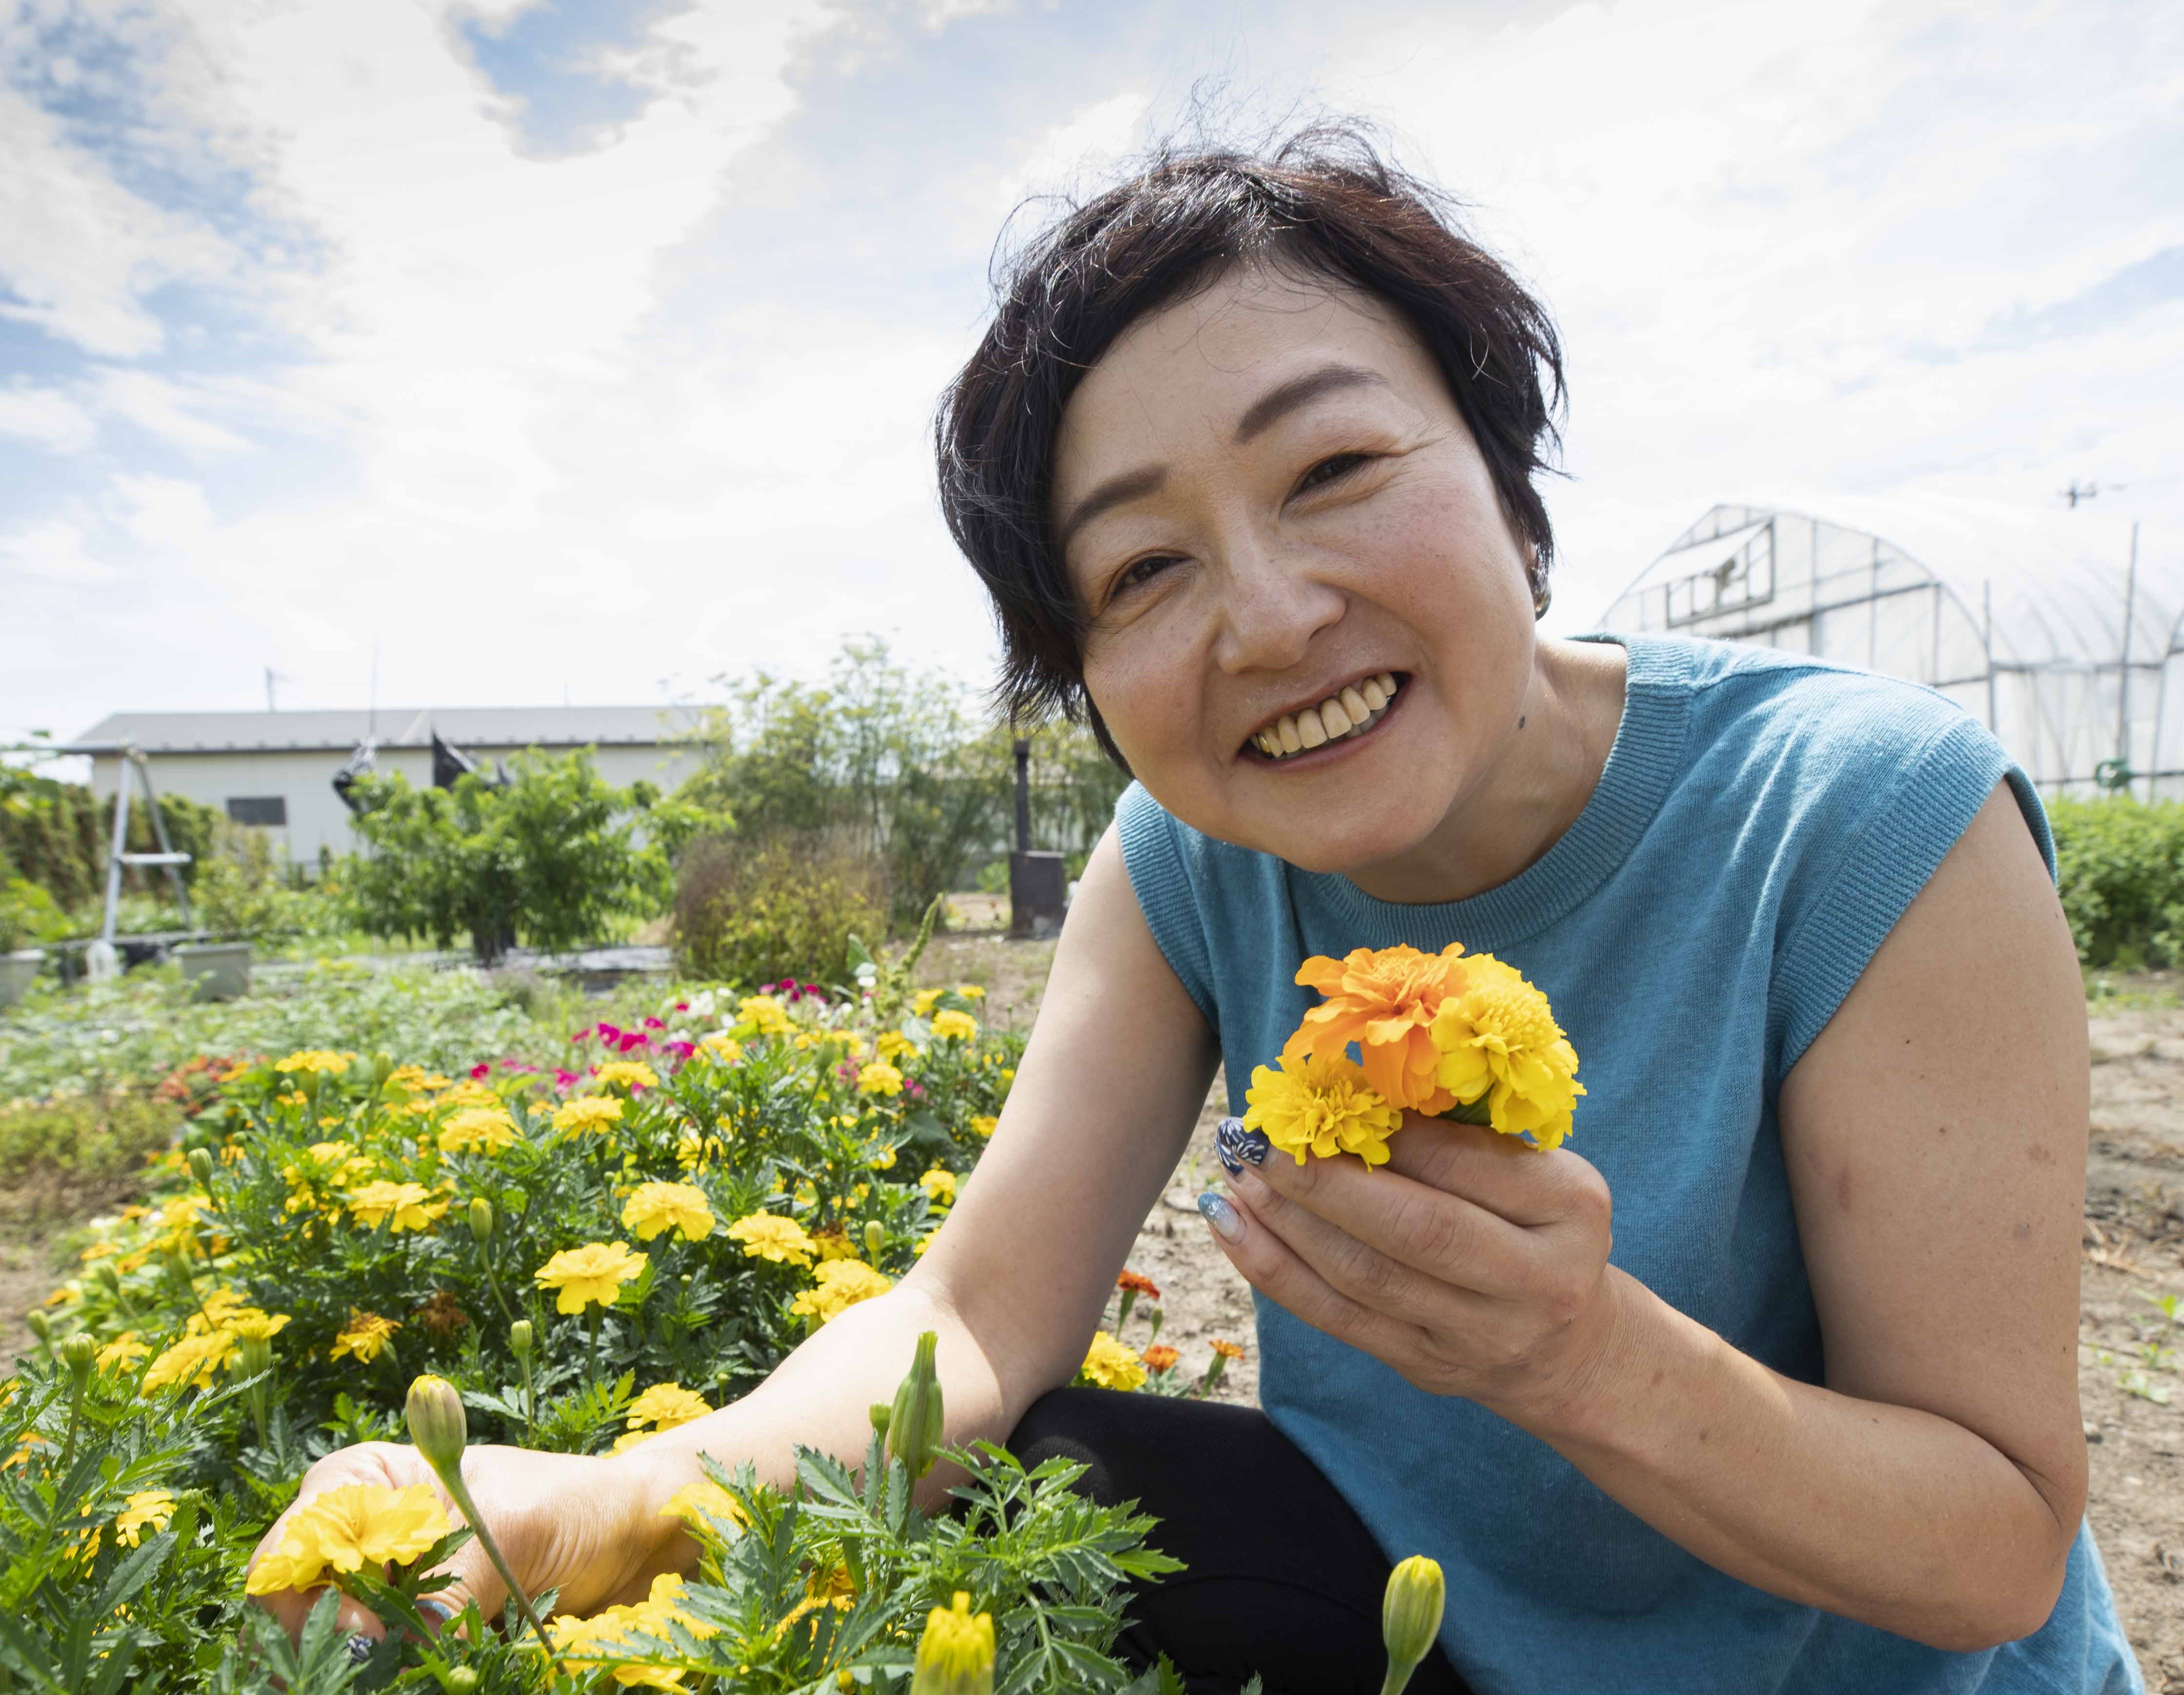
1331, 470
1140, 571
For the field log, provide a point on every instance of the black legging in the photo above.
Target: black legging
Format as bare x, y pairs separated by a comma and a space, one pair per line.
1280, 1578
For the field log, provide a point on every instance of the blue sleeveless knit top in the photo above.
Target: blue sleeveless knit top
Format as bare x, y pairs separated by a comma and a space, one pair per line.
1763, 821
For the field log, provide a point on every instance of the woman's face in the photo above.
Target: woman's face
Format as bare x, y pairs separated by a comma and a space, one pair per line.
1266, 498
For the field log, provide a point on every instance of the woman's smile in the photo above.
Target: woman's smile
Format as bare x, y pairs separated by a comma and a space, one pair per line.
1319, 731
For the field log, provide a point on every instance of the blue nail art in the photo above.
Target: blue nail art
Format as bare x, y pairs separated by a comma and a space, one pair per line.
1225, 1220
1235, 1143
359, 1648
440, 1609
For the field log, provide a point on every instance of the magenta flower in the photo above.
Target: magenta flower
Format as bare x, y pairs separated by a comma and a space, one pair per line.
583, 1035
681, 1050
653, 1023
481, 1071
915, 1087
682, 1006
563, 1080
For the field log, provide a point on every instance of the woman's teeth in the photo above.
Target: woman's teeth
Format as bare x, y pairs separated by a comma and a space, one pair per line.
1356, 709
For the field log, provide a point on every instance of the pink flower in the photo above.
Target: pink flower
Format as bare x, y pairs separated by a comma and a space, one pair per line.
682, 1050
915, 1087
481, 1071
583, 1035
653, 1023
682, 1006
563, 1080
633, 1039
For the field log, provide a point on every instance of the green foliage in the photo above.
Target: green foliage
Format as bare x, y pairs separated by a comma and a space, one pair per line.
28, 914
136, 1491
551, 858
902, 765
57, 835
140, 1026
242, 891
754, 911
97, 1139
2121, 867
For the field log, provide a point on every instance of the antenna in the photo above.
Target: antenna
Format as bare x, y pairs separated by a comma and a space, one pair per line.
2087, 491
273, 676
371, 715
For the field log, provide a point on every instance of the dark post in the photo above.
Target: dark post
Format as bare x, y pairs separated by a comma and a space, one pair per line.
1039, 883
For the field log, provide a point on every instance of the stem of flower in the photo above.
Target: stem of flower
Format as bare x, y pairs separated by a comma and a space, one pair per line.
452, 1478
592, 1348
1398, 1677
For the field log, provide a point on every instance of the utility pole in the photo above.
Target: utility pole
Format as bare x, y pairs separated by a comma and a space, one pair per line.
2123, 682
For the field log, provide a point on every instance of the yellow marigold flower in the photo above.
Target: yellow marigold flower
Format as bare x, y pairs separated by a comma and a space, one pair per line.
892, 1045
470, 1092
146, 1509
364, 1337
922, 1002
1499, 1038
840, 1284
341, 1528
585, 1645
1320, 1105
722, 1048
984, 1125
918, 1248
192, 1360
665, 1405
971, 991
588, 1114
782, 1240
484, 1130
764, 1014
956, 1653
939, 1186
592, 1274
410, 1205
703, 1506
879, 1078
307, 1061
952, 1026
251, 1325
330, 1153
1384, 1000
1112, 1365
24, 1443
883, 1160
628, 1073
659, 1206
123, 1352
185, 1212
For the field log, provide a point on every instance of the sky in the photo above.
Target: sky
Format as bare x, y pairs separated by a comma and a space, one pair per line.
475, 352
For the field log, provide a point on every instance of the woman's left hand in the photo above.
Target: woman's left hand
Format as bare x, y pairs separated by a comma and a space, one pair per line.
1472, 1263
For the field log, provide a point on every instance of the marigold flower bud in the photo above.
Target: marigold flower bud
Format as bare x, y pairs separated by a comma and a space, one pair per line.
875, 1239
881, 1411
78, 1353
519, 1338
482, 1219
254, 1353
201, 1166
437, 1423
39, 1325
913, 1422
462, 1681
1410, 1617
382, 1067
107, 1277
955, 1654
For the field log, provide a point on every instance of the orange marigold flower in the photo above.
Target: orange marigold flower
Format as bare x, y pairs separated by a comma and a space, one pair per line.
1227, 1350
1160, 1356
1384, 1000
1144, 1285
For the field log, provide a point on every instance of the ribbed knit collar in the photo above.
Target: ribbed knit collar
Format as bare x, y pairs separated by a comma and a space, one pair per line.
1640, 767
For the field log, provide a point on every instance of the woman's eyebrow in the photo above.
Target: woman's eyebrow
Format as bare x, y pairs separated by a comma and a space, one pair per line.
1284, 397
1116, 490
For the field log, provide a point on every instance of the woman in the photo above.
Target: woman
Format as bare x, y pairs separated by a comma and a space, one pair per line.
1246, 460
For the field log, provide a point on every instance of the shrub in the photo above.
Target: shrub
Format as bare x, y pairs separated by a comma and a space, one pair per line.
400, 1218
82, 1147
550, 859
240, 891
2121, 867
751, 912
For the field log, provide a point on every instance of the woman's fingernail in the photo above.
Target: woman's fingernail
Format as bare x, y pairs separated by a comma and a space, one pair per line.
1234, 1143
439, 1610
1227, 1222
359, 1648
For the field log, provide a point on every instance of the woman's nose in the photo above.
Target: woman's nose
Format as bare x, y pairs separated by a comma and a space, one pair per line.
1272, 605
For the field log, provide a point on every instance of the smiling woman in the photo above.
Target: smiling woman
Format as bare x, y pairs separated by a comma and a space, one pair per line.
1767, 1382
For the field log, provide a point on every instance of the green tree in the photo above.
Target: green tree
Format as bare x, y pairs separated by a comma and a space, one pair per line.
551, 858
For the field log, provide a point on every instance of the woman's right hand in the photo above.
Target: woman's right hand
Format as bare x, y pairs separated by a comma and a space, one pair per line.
577, 1523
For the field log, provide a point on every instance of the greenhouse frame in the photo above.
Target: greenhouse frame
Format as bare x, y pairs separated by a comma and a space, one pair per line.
2062, 631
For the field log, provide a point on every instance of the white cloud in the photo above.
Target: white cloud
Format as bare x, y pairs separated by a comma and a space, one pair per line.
46, 416
1082, 148
53, 550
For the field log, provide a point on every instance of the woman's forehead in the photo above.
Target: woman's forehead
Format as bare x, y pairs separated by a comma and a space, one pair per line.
1201, 363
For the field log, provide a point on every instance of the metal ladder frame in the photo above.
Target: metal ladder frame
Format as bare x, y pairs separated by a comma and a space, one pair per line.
118, 854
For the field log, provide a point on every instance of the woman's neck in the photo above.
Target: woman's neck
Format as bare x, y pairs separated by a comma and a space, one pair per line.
1546, 772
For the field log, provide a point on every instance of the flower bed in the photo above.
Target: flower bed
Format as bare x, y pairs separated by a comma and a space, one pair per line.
590, 1255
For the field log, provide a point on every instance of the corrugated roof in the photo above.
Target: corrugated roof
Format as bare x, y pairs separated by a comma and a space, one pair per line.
494, 728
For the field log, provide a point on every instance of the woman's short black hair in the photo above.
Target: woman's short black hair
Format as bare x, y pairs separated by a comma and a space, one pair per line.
1324, 202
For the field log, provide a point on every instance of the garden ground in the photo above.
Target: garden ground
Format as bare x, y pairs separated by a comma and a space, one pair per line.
2134, 1256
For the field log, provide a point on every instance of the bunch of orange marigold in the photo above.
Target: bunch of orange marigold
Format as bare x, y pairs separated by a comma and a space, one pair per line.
1448, 1035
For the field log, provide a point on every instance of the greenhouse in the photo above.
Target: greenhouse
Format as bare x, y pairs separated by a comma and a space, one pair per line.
2059, 630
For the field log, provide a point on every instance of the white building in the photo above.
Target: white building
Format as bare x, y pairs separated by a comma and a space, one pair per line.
275, 770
